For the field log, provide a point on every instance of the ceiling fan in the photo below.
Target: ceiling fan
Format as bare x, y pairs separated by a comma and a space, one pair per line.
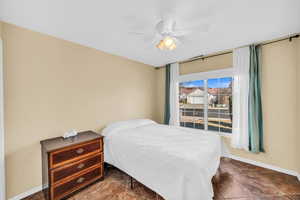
167, 36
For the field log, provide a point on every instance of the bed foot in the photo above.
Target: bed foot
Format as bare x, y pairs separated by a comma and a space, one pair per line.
157, 197
131, 183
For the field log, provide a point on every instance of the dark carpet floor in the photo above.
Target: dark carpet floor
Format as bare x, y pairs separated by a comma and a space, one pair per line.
237, 181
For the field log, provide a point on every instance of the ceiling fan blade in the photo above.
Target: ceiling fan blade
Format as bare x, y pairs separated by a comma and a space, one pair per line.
136, 33
180, 33
202, 28
184, 39
156, 39
152, 43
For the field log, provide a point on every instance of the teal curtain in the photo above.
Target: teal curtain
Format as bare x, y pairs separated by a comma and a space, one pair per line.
255, 116
167, 95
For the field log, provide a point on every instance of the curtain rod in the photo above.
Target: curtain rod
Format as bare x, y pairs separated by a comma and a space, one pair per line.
204, 57
290, 38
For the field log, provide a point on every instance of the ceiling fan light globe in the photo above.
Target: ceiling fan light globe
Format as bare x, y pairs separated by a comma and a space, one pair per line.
172, 47
160, 45
168, 41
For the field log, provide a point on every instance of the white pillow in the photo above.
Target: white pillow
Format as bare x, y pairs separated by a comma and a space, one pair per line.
123, 125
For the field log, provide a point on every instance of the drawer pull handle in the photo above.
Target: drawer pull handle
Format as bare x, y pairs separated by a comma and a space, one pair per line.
80, 166
80, 150
80, 180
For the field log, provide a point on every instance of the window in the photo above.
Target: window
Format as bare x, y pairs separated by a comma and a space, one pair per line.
206, 104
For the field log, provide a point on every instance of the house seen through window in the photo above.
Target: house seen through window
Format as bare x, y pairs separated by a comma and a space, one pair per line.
206, 104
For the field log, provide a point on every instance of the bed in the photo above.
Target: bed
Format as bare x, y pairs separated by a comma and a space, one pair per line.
177, 163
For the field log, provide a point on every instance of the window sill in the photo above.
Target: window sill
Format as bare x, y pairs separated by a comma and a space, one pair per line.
228, 135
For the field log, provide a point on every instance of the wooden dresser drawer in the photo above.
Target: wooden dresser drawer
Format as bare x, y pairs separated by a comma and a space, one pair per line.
71, 169
76, 183
69, 164
76, 152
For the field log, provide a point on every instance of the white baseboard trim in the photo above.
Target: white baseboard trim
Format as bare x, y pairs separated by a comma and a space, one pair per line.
264, 165
27, 193
253, 162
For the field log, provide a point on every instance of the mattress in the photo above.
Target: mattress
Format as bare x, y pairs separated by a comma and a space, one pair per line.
178, 163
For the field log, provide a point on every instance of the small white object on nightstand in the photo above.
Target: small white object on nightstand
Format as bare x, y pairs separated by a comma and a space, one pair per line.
71, 133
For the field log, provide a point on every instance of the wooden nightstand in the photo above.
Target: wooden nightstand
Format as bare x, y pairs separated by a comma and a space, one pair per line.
71, 164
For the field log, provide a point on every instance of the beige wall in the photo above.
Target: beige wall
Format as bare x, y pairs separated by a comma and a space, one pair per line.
0, 28
298, 100
52, 86
208, 64
160, 90
279, 90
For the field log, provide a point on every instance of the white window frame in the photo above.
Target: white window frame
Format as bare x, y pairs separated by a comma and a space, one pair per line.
228, 72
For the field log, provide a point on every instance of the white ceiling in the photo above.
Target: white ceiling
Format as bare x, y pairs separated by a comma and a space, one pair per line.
105, 24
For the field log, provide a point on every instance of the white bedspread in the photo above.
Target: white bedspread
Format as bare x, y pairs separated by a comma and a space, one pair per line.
177, 163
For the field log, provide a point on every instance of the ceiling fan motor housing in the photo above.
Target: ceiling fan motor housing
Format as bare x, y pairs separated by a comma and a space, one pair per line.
166, 27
